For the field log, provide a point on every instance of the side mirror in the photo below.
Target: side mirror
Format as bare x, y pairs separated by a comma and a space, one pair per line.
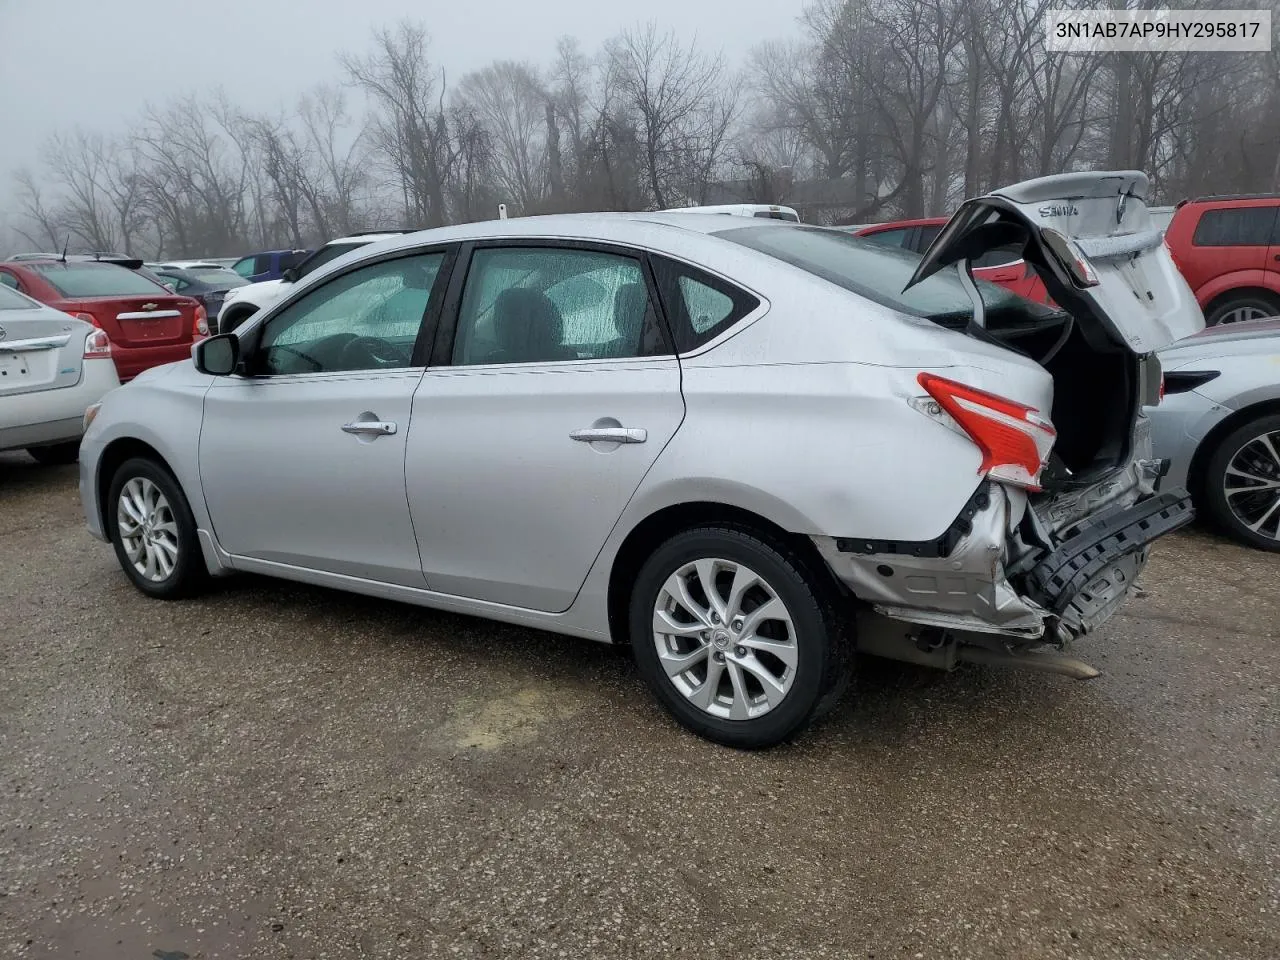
217, 356
289, 274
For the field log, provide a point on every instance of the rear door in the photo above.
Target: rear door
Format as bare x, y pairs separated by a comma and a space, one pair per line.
40, 348
553, 391
1091, 236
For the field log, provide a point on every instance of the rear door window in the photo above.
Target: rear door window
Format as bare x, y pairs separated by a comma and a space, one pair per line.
924, 237
889, 238
549, 304
699, 306
1235, 227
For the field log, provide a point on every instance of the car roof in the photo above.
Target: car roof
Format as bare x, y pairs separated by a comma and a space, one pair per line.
1228, 197
576, 226
639, 230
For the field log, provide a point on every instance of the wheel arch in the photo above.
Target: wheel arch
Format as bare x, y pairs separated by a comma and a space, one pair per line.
1232, 286
113, 456
664, 523
237, 310
1210, 442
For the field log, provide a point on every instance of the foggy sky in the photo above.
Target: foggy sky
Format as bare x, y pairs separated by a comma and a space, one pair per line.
97, 62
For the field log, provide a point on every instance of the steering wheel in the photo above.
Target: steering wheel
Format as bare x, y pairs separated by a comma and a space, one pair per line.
363, 352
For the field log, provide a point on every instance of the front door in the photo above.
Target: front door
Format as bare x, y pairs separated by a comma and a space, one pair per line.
559, 391
302, 458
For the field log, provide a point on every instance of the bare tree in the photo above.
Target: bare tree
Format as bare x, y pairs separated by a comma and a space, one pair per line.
680, 104
509, 101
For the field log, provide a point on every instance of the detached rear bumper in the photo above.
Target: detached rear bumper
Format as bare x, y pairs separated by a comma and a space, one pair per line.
1082, 580
998, 569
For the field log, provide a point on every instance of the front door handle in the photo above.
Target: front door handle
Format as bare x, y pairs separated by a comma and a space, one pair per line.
370, 428
611, 435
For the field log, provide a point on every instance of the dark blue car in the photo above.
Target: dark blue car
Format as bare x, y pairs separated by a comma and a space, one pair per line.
268, 265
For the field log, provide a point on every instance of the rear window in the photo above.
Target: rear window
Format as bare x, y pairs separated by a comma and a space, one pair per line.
11, 299
218, 277
97, 280
879, 273
1235, 227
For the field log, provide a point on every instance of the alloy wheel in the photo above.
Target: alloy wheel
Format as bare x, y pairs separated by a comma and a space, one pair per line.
148, 529
725, 639
1251, 485
1245, 312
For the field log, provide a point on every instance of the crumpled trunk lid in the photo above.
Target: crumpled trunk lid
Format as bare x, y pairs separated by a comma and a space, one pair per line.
1093, 243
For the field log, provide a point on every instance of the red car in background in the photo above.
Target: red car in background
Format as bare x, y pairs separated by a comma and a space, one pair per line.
1005, 267
146, 323
1228, 249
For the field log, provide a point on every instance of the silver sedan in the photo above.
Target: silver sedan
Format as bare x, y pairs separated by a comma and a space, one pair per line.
1219, 424
738, 445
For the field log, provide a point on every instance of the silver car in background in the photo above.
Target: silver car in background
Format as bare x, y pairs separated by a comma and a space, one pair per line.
1219, 424
745, 447
52, 367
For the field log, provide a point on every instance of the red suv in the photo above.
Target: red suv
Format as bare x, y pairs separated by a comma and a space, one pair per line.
1005, 267
146, 323
1228, 249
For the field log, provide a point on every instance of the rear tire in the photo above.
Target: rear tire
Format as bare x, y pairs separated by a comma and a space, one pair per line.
56, 454
753, 666
1250, 451
151, 527
1235, 307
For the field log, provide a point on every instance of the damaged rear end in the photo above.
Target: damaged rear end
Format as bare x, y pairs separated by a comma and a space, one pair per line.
1069, 498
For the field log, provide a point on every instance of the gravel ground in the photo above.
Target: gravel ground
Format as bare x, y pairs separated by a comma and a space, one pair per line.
281, 771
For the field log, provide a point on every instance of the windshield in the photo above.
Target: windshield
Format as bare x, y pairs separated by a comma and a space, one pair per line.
11, 299
97, 280
322, 256
878, 272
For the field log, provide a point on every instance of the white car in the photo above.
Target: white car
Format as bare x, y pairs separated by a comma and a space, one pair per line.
52, 367
243, 302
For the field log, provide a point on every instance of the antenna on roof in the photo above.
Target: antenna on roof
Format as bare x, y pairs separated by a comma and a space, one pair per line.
502, 211
65, 244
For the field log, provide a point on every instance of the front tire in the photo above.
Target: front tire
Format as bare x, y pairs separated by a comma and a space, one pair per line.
738, 637
56, 454
1242, 483
153, 531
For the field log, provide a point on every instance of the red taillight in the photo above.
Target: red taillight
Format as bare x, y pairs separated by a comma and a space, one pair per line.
97, 345
87, 318
201, 326
1160, 395
1014, 439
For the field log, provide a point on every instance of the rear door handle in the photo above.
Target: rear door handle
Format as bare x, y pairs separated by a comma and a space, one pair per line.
611, 435
370, 428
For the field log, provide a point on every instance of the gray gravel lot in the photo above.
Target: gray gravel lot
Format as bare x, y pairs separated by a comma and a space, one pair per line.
281, 771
